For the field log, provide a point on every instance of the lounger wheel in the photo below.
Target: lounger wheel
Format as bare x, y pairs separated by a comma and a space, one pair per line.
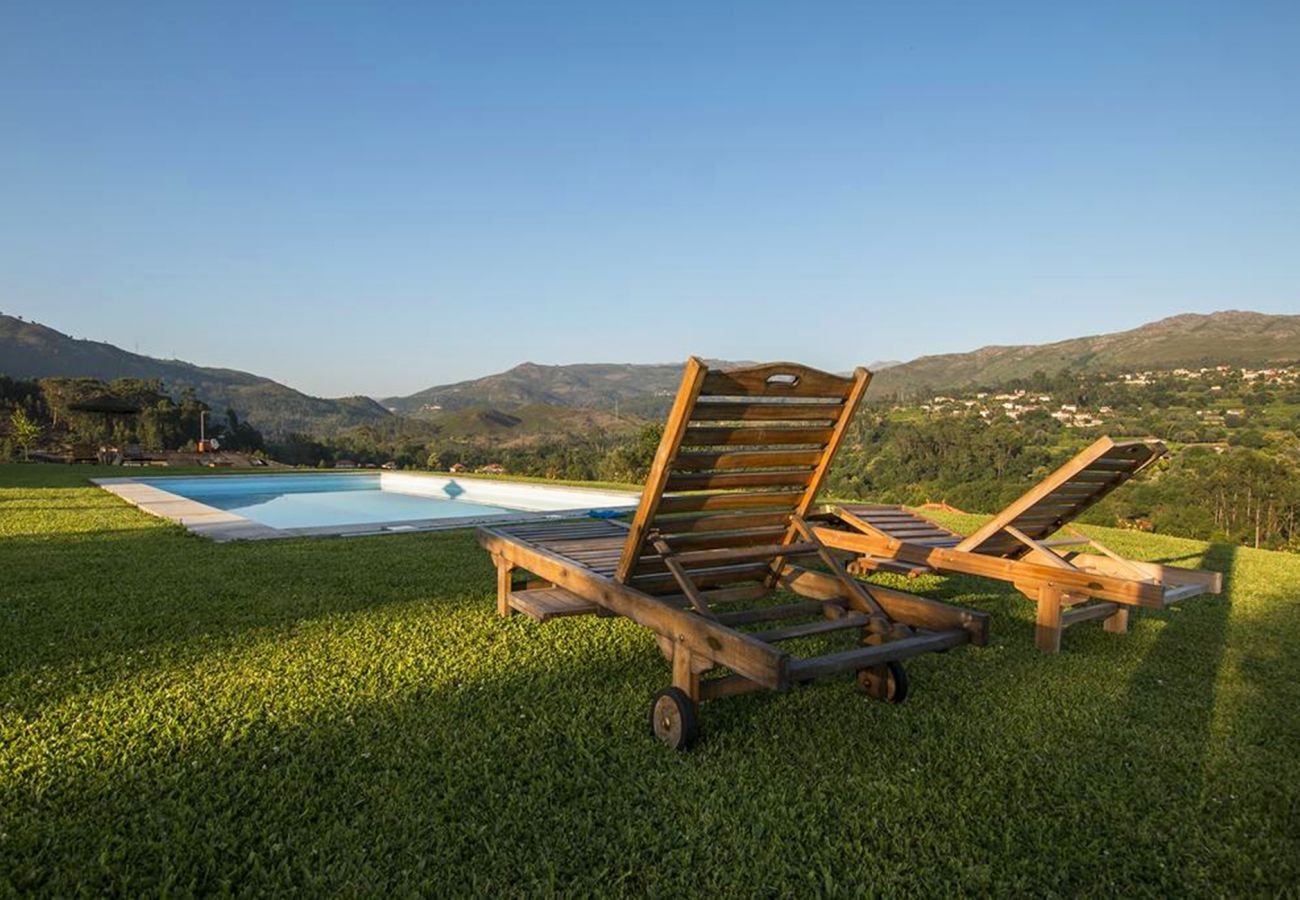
887, 681
673, 720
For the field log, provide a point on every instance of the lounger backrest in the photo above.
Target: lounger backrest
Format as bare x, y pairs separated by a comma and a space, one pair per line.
1063, 496
742, 451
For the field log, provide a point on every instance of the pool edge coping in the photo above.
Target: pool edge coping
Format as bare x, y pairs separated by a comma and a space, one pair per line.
222, 526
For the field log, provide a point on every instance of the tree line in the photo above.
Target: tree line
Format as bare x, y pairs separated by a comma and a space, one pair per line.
1243, 488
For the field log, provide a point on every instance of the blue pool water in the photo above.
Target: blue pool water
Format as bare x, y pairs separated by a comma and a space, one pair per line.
306, 501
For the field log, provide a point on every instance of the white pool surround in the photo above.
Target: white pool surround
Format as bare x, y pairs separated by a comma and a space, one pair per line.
305, 503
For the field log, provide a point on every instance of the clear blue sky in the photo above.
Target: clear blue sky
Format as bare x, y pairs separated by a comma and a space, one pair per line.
373, 198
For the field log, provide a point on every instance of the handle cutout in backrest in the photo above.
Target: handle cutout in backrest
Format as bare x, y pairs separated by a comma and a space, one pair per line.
783, 379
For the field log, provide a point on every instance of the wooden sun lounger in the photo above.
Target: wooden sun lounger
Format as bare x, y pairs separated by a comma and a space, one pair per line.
716, 535
1017, 546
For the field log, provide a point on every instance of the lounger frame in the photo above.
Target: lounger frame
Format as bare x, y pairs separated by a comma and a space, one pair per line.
721, 523
1067, 584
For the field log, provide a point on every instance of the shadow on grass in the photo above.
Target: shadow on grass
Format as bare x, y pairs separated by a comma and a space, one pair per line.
83, 598
1189, 647
534, 778
1169, 702
1251, 785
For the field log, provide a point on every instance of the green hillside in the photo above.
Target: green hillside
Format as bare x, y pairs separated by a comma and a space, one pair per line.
625, 387
534, 421
1232, 338
30, 350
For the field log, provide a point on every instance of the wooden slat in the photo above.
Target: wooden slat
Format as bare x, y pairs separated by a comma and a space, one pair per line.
718, 556
1053, 505
692, 381
580, 542
910, 609
900, 524
862, 657
1074, 490
763, 381
712, 481
1093, 477
704, 540
865, 565
563, 533
684, 503
1182, 592
592, 554
1114, 464
721, 411
544, 604
753, 437
917, 531
670, 527
664, 582
946, 541
742, 554
727, 686
746, 459
1086, 613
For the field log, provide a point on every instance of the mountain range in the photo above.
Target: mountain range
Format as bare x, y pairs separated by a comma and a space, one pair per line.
1230, 338
30, 350
627, 387
537, 394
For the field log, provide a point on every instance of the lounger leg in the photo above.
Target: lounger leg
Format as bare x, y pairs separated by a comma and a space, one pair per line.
685, 675
1047, 637
1117, 622
504, 585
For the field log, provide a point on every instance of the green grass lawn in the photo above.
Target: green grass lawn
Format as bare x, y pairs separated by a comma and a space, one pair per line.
350, 715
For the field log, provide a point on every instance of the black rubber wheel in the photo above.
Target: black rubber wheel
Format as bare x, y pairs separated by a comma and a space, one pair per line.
884, 682
673, 720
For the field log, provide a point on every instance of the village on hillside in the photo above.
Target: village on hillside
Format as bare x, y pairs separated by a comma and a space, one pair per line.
1211, 392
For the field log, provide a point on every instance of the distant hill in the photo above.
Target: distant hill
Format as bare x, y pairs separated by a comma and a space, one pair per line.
622, 393
644, 390
527, 424
29, 350
1231, 338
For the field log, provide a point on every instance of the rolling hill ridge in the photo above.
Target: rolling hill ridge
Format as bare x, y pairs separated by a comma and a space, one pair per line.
30, 350
621, 392
637, 389
1232, 338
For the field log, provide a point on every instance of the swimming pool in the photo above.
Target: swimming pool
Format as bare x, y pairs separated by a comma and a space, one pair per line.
232, 507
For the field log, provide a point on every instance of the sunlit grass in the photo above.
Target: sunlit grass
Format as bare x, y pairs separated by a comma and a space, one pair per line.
350, 715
